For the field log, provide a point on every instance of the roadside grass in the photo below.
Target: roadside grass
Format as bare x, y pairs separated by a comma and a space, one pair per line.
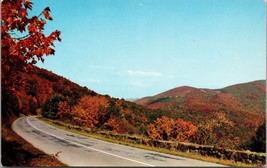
197, 156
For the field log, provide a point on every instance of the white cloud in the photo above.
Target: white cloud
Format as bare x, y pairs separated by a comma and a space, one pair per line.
144, 73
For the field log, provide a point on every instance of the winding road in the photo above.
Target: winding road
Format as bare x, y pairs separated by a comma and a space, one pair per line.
77, 150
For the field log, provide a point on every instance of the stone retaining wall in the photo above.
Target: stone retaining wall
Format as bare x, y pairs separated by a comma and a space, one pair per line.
221, 153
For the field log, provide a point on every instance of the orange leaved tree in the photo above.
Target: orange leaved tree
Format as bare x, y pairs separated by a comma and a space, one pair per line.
23, 41
166, 128
88, 110
64, 111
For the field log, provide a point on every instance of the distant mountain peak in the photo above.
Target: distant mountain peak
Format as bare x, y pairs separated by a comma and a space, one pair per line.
248, 96
182, 90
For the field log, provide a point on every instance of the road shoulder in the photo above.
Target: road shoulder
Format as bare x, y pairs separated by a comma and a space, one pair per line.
18, 152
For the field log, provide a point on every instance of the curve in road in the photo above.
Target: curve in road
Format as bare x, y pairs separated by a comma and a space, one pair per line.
77, 150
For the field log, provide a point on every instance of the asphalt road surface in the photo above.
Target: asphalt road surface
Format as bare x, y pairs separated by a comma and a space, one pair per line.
77, 150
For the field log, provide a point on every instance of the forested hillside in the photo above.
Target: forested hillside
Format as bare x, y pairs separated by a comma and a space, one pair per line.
226, 117
231, 114
56, 97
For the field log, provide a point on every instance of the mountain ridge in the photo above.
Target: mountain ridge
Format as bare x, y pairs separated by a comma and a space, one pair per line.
183, 90
217, 89
242, 105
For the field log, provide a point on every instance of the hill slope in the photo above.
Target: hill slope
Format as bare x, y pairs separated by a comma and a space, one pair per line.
40, 92
225, 117
243, 105
41, 87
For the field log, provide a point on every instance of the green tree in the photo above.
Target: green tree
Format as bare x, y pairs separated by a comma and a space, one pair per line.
113, 110
50, 108
259, 140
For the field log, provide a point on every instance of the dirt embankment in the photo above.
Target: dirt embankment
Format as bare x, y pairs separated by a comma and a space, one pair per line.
17, 152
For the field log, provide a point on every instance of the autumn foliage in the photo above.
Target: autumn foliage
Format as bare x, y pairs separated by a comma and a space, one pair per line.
227, 117
215, 128
58, 98
100, 112
89, 110
166, 128
64, 111
23, 41
218, 132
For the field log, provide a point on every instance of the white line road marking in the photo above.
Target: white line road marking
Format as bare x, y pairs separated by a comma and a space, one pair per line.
89, 147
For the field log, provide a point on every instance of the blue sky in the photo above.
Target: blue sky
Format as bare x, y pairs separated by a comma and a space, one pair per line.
137, 48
